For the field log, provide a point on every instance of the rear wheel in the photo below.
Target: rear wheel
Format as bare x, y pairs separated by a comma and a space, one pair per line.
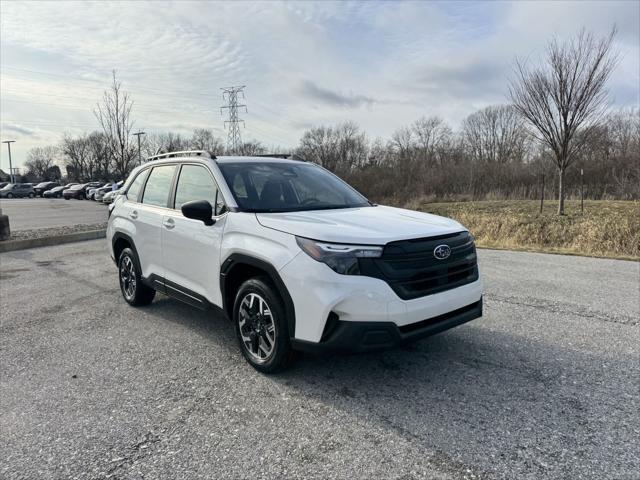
31, 195
80, 196
133, 290
9, 195
261, 325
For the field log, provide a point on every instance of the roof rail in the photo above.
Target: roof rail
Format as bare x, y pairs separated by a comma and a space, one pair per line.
184, 153
273, 155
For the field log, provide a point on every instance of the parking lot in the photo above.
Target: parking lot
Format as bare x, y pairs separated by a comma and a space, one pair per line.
36, 213
545, 385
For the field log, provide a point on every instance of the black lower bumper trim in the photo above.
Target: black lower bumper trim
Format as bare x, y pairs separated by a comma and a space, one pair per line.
372, 336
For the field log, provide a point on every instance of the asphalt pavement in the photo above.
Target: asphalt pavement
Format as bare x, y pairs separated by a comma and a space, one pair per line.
546, 385
36, 213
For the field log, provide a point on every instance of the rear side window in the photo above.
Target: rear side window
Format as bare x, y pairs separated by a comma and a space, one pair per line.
134, 191
156, 191
195, 183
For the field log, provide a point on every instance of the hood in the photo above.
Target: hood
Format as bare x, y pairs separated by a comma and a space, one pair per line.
368, 225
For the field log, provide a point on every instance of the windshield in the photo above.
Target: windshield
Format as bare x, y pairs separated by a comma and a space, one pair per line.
8, 187
288, 187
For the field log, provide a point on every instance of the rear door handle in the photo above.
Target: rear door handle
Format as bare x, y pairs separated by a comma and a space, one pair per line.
169, 223
133, 214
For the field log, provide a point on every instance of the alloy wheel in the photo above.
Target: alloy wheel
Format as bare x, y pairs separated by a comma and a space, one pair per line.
257, 327
128, 278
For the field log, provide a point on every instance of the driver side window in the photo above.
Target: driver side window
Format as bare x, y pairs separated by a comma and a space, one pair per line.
195, 183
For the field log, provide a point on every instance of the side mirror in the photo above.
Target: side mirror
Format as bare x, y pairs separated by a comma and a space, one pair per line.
199, 210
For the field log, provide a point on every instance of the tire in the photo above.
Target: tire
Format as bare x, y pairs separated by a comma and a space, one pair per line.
9, 195
133, 290
31, 195
255, 297
80, 196
67, 198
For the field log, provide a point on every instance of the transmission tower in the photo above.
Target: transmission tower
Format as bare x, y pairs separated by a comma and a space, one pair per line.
231, 95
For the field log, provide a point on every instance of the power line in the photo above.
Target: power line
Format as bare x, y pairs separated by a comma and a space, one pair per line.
230, 95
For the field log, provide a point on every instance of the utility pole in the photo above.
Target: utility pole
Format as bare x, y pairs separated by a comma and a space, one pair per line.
542, 193
582, 190
231, 95
9, 142
137, 134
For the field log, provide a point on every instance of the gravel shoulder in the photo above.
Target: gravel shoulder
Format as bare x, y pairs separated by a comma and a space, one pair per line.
56, 231
544, 386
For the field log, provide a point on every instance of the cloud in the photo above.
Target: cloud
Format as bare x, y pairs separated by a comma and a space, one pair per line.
380, 64
24, 131
463, 79
332, 98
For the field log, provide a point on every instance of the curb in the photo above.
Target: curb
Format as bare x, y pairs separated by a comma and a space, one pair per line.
12, 245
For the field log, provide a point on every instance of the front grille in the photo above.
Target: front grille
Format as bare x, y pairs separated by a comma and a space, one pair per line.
412, 271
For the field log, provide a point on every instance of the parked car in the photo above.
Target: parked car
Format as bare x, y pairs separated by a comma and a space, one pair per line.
42, 187
91, 191
109, 197
17, 190
56, 192
101, 192
297, 258
79, 192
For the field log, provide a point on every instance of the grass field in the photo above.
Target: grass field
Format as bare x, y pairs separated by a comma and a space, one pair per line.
606, 229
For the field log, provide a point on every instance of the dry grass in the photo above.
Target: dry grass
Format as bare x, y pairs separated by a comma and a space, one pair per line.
606, 229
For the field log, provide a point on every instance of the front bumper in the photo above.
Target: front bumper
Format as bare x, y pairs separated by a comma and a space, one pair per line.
319, 294
372, 336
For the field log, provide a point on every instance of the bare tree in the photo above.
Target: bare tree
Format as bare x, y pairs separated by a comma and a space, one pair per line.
403, 143
252, 147
495, 134
77, 153
338, 148
432, 139
317, 145
40, 161
566, 95
163, 143
99, 158
204, 139
114, 115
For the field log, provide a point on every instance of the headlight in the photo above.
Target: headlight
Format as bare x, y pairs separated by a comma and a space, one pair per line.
339, 257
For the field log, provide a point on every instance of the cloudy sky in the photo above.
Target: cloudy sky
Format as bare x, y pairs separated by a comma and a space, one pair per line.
382, 65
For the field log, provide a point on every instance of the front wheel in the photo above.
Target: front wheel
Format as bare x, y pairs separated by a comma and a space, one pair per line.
9, 195
80, 196
31, 195
133, 290
261, 325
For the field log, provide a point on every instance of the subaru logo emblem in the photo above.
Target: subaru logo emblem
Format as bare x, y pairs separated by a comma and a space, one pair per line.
442, 251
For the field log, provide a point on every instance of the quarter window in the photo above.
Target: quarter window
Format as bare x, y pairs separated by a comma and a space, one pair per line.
156, 191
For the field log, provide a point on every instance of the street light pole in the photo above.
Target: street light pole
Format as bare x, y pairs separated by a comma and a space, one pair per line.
9, 142
137, 134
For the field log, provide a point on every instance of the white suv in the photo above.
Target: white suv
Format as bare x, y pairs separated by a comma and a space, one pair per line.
296, 258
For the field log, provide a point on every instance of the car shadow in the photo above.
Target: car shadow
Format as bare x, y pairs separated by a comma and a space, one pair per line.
477, 396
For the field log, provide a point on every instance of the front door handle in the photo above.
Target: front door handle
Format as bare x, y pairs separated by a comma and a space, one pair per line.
133, 214
169, 223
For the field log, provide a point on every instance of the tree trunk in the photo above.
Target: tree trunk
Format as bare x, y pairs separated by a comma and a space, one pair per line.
561, 191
